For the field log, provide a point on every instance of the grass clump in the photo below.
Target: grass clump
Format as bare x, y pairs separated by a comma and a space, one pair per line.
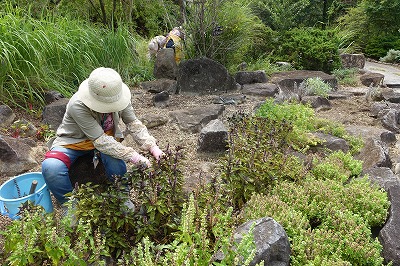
58, 54
346, 76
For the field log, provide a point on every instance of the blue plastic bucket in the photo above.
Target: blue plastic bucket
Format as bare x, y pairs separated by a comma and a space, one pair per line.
15, 192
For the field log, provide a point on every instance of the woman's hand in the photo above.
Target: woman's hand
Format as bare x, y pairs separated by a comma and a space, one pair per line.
140, 160
156, 152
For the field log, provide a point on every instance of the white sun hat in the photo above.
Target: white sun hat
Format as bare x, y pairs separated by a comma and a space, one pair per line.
104, 91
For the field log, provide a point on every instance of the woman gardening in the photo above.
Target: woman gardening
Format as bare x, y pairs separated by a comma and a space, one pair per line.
90, 126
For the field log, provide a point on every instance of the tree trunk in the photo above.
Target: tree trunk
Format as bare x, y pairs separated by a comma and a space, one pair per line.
325, 14
103, 12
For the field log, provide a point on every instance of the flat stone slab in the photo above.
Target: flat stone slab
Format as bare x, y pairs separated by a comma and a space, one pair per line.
287, 80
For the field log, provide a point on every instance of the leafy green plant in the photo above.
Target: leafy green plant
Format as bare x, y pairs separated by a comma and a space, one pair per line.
37, 55
45, 132
221, 30
193, 245
159, 197
301, 118
304, 121
258, 156
104, 209
38, 238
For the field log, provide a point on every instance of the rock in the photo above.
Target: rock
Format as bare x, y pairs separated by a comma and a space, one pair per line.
213, 137
165, 65
53, 113
332, 143
193, 119
381, 176
271, 240
159, 85
374, 153
390, 120
317, 102
203, 76
260, 89
16, 155
161, 99
52, 96
288, 80
230, 99
391, 96
377, 109
389, 236
7, 116
388, 137
373, 79
353, 60
250, 77
153, 120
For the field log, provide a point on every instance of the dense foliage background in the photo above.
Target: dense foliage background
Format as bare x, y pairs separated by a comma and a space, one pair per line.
55, 44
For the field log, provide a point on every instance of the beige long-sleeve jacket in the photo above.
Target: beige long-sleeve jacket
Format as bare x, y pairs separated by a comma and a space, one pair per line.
81, 123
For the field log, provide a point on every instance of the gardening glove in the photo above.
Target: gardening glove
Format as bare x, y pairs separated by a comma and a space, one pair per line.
139, 160
156, 152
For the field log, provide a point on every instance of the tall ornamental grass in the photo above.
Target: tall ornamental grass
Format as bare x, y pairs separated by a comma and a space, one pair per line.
41, 55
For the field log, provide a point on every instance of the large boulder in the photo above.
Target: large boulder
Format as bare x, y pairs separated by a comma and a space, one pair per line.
372, 79
16, 156
53, 113
271, 240
213, 137
353, 60
165, 65
250, 77
159, 85
203, 76
7, 116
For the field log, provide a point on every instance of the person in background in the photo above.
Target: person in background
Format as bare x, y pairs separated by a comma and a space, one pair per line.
175, 40
155, 45
91, 125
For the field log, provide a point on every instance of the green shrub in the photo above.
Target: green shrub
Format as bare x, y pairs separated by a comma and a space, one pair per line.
222, 30
159, 197
378, 45
338, 166
346, 76
193, 244
326, 220
315, 86
310, 48
301, 118
393, 56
